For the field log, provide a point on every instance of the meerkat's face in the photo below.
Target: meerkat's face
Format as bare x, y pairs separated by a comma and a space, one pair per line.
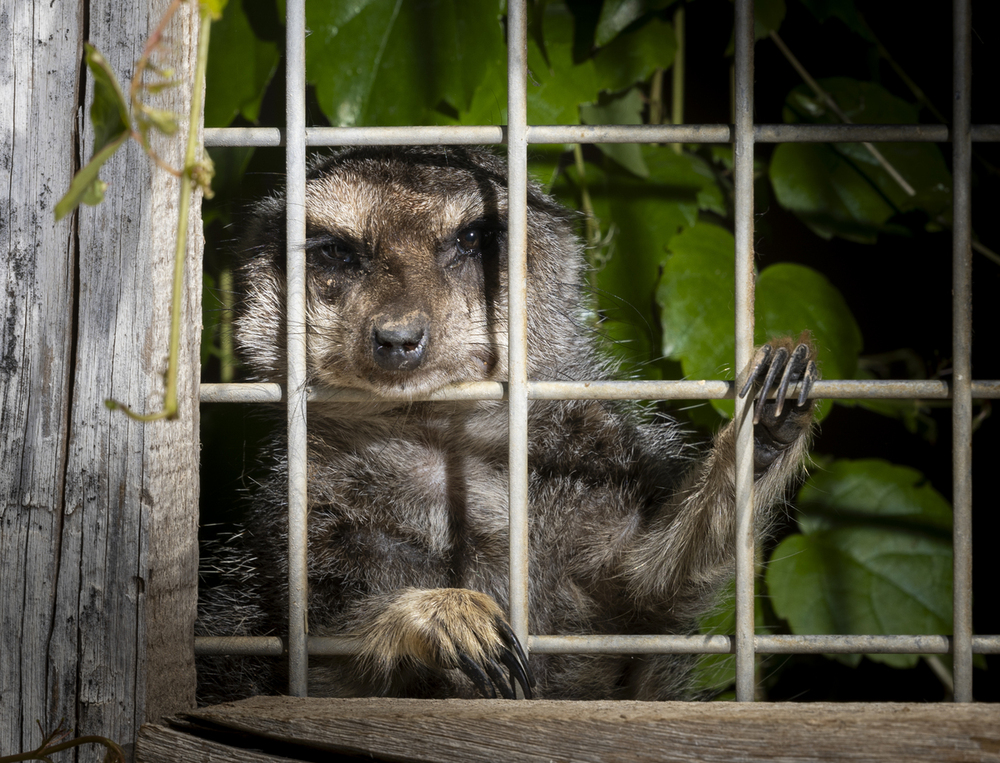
405, 266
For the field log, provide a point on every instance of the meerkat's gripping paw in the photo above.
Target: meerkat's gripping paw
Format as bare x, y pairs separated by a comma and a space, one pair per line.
776, 366
446, 628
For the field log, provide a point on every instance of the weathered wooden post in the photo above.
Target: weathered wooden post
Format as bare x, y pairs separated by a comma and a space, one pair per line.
98, 513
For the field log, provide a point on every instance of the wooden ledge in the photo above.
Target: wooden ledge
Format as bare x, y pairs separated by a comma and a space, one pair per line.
284, 728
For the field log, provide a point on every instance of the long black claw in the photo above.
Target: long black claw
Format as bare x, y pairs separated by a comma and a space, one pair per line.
515, 646
517, 672
792, 371
479, 678
776, 365
759, 359
500, 680
514, 655
808, 379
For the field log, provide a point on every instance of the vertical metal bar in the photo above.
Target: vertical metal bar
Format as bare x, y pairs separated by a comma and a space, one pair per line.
743, 213
295, 168
962, 349
517, 337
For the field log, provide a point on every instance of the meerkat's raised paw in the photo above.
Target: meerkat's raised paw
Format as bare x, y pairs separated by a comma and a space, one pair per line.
775, 367
448, 628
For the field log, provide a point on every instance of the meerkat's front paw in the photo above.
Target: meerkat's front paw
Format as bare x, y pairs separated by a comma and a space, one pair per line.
448, 628
780, 422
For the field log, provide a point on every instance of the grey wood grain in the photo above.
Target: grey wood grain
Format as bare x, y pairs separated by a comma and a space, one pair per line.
99, 513
491, 730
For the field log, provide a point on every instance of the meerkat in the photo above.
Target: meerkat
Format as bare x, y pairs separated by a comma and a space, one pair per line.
632, 529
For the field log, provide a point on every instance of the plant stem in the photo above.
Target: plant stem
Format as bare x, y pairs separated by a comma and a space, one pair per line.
169, 409
677, 90
828, 99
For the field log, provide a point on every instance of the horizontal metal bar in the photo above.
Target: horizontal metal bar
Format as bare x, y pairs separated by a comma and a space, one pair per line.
539, 134
605, 390
271, 646
247, 646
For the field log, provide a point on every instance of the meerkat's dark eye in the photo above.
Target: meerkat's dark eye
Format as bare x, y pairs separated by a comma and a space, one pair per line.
470, 240
336, 254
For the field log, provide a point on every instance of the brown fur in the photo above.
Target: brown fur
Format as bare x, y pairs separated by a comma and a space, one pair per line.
631, 529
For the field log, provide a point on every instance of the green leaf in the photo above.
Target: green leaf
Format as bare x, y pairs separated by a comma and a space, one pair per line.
557, 85
109, 111
874, 557
621, 110
633, 57
403, 63
618, 14
638, 218
696, 299
240, 66
841, 189
109, 117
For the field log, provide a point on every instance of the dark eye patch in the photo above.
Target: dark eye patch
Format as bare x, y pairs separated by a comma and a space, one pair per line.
329, 251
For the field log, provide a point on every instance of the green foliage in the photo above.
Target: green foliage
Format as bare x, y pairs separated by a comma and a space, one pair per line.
403, 63
873, 556
696, 298
112, 127
841, 189
240, 65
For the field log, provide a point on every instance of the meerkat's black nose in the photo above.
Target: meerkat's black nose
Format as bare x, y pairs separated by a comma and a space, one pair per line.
399, 345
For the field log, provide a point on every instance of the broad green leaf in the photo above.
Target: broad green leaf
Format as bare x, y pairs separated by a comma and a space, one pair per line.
240, 66
109, 117
841, 189
638, 218
874, 557
621, 110
633, 57
556, 84
618, 14
389, 62
696, 301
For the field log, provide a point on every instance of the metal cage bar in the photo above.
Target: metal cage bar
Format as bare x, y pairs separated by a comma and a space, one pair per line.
295, 212
743, 225
517, 319
961, 405
296, 137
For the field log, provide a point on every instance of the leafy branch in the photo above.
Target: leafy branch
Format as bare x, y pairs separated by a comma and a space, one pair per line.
113, 125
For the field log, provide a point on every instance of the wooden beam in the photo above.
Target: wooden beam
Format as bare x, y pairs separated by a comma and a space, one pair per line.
498, 730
